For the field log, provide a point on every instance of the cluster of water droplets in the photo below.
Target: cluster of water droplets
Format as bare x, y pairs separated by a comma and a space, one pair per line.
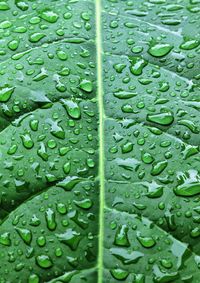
151, 98
49, 142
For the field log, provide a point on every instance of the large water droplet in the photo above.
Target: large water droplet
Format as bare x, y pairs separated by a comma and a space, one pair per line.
121, 236
44, 261
160, 49
165, 118
5, 93
72, 108
25, 234
50, 219
188, 184
70, 238
49, 16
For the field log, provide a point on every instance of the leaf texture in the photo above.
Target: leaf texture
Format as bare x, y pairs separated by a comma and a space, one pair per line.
99, 141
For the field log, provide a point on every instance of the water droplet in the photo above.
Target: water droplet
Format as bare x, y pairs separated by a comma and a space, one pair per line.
62, 55
5, 93
189, 44
195, 232
160, 49
41, 76
41, 241
190, 125
69, 182
13, 45
137, 65
147, 158
70, 238
121, 236
188, 184
72, 108
49, 16
22, 5
50, 219
164, 118
127, 147
61, 208
162, 277
119, 68
158, 167
119, 274
27, 141
86, 85
67, 167
127, 257
33, 278
85, 203
25, 234
56, 130
34, 124
35, 37
42, 152
44, 261
154, 190
124, 94
35, 221
146, 242
4, 6
5, 239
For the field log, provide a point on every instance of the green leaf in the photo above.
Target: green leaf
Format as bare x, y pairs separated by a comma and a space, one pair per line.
99, 141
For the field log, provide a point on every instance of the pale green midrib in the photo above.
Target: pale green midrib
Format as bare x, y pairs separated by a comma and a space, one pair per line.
101, 139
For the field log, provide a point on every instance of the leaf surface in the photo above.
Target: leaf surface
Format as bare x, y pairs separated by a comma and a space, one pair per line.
99, 132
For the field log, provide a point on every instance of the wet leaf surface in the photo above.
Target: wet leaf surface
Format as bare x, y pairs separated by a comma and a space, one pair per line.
99, 141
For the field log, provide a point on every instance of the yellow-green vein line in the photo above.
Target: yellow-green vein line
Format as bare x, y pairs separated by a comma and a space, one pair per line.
101, 139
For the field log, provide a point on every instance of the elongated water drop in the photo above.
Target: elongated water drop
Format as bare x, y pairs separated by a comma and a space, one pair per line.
165, 118
50, 219
160, 49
